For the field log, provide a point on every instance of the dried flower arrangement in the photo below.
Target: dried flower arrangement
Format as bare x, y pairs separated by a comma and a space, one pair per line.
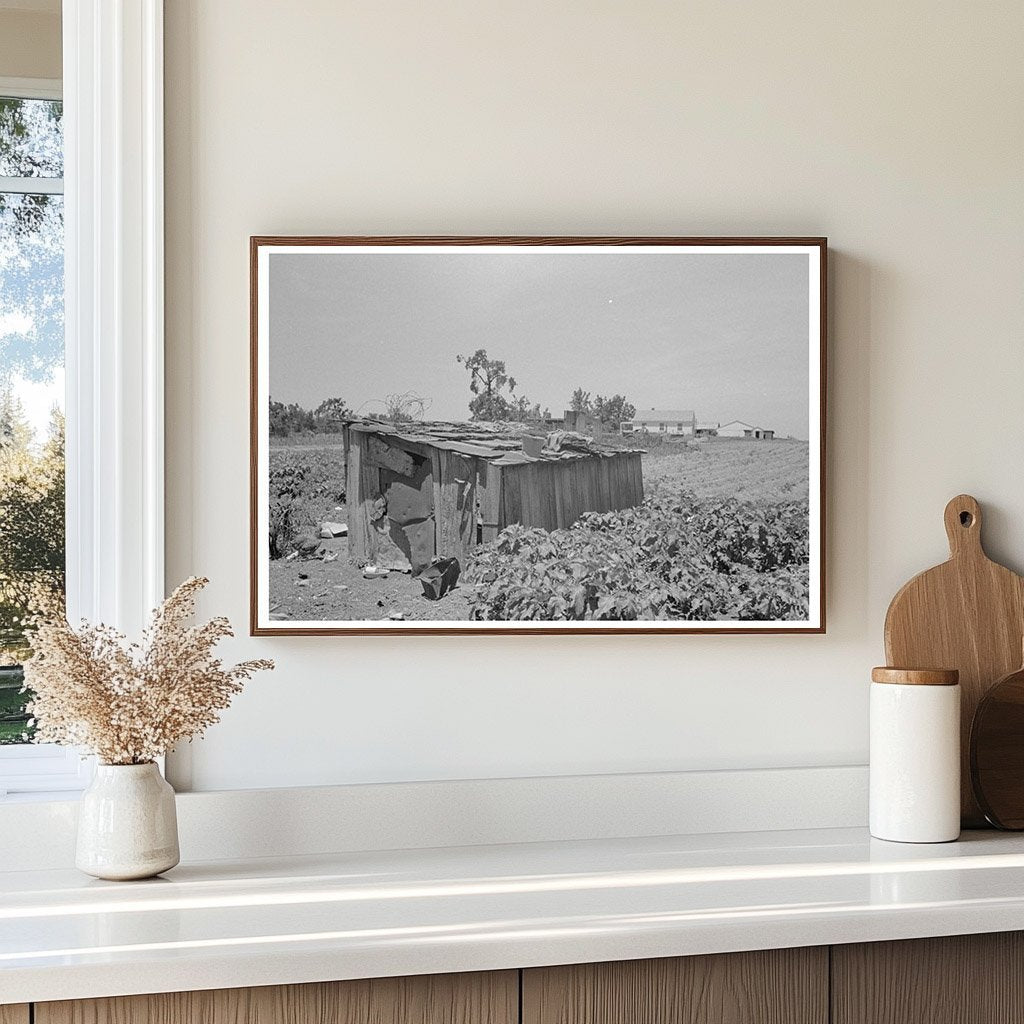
130, 703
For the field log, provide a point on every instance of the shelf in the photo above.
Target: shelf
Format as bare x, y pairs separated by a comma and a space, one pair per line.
383, 914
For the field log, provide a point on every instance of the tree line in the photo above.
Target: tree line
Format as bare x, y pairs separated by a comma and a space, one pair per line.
494, 399
294, 419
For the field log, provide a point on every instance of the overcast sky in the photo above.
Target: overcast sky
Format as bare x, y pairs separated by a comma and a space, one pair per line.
724, 335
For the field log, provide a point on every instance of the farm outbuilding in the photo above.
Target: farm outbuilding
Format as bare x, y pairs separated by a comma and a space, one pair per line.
417, 491
737, 428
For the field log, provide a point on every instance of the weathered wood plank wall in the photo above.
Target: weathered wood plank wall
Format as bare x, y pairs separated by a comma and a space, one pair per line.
359, 543
489, 498
553, 495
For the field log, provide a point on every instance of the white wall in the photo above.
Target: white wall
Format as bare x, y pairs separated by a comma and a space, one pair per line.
895, 129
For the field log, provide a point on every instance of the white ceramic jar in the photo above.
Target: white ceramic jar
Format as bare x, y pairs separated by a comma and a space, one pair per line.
915, 755
127, 823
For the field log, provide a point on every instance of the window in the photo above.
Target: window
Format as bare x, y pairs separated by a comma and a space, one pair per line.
32, 530
112, 207
31, 382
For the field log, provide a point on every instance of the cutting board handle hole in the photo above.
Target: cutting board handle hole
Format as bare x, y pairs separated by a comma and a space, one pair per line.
966, 518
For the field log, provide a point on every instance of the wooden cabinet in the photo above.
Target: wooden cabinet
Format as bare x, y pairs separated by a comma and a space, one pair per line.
968, 979
491, 998
778, 986
962, 979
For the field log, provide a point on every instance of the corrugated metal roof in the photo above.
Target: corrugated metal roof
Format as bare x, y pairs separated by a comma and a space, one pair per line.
500, 443
663, 416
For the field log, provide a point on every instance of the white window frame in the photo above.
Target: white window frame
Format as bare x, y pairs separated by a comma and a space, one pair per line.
113, 222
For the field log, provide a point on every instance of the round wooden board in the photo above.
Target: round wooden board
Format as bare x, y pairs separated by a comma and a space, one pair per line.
997, 752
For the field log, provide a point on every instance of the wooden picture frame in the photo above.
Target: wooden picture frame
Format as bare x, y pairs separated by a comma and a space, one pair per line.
423, 490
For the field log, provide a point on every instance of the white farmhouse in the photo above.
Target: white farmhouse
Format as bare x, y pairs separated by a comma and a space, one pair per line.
678, 422
737, 428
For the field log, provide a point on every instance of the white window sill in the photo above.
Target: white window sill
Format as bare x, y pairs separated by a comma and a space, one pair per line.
42, 771
41, 797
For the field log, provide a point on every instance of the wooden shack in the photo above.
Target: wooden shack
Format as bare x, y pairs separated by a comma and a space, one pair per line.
420, 490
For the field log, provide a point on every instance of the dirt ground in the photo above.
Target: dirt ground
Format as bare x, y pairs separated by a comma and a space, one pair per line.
313, 589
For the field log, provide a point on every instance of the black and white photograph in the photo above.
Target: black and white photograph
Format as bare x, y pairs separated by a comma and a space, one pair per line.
537, 435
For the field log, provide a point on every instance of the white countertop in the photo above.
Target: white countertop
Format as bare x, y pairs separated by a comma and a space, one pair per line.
351, 915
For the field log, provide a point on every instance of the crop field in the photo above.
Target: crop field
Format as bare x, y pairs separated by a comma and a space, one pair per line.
768, 471
722, 534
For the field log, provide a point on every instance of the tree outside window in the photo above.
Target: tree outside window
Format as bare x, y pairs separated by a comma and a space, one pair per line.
32, 541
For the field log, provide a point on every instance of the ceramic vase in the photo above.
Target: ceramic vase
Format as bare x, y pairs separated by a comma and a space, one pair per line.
127, 825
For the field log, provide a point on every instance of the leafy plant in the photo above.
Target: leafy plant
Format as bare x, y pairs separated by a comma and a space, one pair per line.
303, 487
683, 559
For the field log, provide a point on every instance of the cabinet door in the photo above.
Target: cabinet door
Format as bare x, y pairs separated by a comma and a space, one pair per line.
779, 986
490, 998
14, 1014
962, 979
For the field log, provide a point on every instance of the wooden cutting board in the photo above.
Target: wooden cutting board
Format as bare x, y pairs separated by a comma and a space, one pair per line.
967, 614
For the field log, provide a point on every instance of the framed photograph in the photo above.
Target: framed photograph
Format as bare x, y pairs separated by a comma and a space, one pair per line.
537, 435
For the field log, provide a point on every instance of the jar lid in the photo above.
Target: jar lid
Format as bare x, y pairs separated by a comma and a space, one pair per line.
916, 676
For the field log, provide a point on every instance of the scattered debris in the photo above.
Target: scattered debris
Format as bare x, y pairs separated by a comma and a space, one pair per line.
308, 546
375, 572
397, 616
291, 556
330, 556
303, 575
533, 445
331, 530
569, 441
439, 577
302, 583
